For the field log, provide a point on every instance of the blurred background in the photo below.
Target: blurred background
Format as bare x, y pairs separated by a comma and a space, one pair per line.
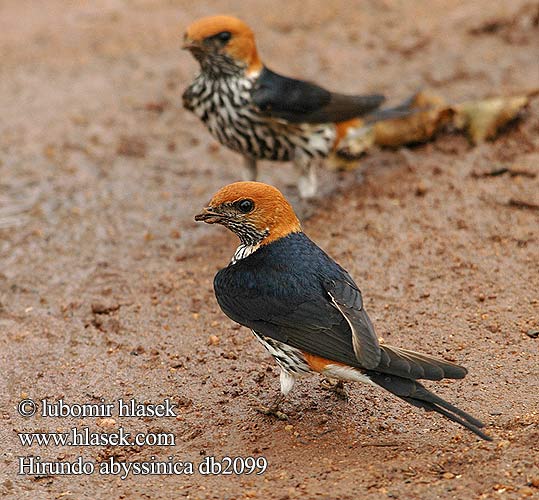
106, 281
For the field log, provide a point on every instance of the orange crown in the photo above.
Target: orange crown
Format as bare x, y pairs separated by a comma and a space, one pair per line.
272, 210
242, 44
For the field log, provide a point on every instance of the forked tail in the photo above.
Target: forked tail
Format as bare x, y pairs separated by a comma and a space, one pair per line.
398, 372
416, 394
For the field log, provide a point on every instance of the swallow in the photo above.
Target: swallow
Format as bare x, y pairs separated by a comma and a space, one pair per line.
261, 114
307, 311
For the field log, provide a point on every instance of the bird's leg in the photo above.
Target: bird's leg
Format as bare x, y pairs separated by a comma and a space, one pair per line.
337, 386
307, 182
250, 172
287, 380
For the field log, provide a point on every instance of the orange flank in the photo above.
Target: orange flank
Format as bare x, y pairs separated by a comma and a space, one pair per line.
342, 129
319, 364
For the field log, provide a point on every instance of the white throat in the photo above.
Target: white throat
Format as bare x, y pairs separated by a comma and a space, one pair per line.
244, 251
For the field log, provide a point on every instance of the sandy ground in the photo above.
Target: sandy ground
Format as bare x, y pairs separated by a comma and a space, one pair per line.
106, 281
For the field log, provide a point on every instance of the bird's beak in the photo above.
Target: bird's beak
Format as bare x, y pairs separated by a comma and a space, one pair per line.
208, 216
190, 45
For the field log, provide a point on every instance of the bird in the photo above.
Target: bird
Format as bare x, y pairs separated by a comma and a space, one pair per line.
306, 309
261, 114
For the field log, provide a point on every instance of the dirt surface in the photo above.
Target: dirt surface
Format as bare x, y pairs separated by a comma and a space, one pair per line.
106, 281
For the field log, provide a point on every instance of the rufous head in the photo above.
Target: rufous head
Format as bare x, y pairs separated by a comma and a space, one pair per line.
256, 212
218, 40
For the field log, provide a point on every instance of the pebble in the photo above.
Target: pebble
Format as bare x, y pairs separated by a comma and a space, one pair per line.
101, 308
421, 189
106, 423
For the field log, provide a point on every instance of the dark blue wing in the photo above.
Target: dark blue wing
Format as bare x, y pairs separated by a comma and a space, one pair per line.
298, 101
293, 292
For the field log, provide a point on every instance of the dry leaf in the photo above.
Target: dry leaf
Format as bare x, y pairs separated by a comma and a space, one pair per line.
428, 100
419, 127
430, 114
482, 119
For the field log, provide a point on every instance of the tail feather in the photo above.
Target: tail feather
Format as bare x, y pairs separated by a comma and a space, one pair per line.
415, 365
402, 110
417, 395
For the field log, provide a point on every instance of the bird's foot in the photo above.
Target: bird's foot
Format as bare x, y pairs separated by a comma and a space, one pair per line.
337, 386
273, 410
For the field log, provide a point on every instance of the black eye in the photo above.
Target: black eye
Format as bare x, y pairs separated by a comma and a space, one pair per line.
224, 36
245, 206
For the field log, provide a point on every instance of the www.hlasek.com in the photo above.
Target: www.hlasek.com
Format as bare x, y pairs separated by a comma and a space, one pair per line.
84, 436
